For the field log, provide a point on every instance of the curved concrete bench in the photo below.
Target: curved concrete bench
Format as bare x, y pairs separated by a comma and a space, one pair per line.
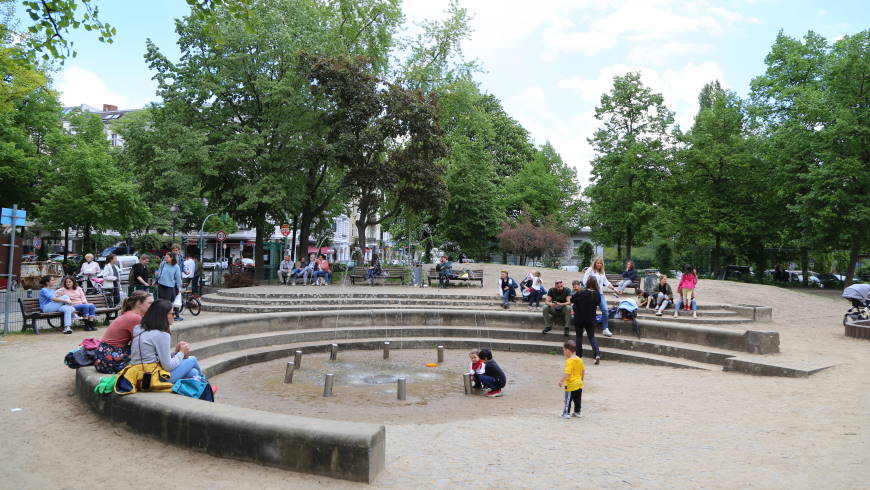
752, 341
860, 329
345, 450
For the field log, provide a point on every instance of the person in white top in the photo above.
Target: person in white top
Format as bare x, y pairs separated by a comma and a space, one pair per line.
112, 279
188, 273
89, 270
597, 271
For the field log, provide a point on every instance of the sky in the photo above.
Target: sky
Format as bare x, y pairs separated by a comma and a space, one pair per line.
548, 61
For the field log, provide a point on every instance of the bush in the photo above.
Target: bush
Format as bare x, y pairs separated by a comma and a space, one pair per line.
336, 268
240, 280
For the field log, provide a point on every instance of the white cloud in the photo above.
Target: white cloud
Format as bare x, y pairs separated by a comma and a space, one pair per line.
79, 86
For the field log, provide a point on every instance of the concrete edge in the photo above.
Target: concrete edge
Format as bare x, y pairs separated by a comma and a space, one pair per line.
343, 450
766, 369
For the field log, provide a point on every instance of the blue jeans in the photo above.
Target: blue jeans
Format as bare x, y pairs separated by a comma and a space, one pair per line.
489, 382
603, 306
86, 309
67, 310
189, 368
321, 274
506, 295
535, 297
693, 305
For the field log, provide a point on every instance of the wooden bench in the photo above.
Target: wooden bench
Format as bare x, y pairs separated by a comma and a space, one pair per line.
30, 311
615, 279
472, 275
392, 274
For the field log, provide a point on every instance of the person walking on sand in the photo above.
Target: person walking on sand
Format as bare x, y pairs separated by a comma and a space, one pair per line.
572, 380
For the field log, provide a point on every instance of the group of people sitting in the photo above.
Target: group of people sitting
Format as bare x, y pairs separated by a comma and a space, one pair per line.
315, 269
140, 337
588, 295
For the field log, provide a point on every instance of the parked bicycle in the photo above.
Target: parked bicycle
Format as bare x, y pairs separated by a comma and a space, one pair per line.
190, 300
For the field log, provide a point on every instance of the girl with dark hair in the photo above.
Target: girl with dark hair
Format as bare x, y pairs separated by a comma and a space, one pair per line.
49, 302
169, 280
151, 344
79, 301
113, 352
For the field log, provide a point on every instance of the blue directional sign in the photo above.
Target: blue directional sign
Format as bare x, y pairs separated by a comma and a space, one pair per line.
6, 217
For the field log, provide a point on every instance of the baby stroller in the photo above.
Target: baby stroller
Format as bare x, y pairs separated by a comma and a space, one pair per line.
96, 287
857, 294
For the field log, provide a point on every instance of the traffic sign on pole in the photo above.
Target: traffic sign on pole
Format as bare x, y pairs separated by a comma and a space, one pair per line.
285, 229
37, 242
221, 236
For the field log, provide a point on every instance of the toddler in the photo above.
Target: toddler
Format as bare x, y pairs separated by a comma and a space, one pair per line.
475, 369
572, 380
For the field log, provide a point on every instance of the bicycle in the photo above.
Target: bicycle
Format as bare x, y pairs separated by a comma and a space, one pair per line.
190, 300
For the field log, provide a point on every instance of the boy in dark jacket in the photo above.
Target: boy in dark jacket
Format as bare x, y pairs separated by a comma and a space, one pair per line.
493, 377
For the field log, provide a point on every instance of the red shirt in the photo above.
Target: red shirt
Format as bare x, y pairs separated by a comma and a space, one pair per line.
120, 331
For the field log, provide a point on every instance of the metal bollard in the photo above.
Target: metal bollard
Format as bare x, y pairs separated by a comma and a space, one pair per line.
466, 383
386, 350
333, 352
288, 373
297, 359
328, 382
401, 388
440, 353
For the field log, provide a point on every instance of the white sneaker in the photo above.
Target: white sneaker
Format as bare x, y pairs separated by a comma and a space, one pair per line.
676, 314
658, 313
608, 333
565, 415
694, 314
576, 415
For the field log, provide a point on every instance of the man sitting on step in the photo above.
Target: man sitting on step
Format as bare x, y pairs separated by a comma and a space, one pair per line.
557, 304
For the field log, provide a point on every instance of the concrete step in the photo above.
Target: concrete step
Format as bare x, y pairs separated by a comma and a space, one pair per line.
489, 302
214, 365
308, 292
663, 348
718, 316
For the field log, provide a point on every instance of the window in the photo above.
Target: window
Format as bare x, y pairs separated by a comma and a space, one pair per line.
114, 139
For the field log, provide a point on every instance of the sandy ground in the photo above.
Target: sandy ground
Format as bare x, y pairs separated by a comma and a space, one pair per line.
642, 426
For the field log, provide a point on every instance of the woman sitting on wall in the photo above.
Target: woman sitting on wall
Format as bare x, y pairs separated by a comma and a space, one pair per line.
114, 350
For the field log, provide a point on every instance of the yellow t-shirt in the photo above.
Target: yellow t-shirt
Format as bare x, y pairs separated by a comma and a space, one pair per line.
574, 368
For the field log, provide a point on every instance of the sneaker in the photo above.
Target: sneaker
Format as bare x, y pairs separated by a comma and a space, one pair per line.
494, 393
178, 318
694, 314
545, 330
658, 313
67, 330
676, 314
608, 333
565, 415
575, 415
597, 359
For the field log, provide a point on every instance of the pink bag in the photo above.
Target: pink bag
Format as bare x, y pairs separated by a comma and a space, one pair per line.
90, 344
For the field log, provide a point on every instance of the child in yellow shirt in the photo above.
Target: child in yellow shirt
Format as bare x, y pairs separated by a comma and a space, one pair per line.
572, 380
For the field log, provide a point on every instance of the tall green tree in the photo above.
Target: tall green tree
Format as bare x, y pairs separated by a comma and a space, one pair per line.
87, 191
713, 169
631, 147
545, 189
387, 137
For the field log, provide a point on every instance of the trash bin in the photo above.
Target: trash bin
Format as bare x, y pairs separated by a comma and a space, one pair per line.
417, 275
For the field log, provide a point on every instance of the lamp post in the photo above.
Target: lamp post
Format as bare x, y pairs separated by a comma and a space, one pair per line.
201, 228
174, 211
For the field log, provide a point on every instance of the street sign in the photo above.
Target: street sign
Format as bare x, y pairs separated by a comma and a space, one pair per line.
221, 236
285, 229
37, 242
6, 217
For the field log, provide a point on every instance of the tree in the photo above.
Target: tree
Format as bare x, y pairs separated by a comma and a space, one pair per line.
631, 147
545, 188
387, 137
88, 191
527, 240
585, 251
29, 119
664, 258
713, 168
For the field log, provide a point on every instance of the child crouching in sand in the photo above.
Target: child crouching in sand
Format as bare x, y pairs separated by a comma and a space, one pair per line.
493, 377
572, 380
475, 369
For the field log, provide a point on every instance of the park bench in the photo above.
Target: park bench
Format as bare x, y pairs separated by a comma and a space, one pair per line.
392, 274
30, 311
463, 275
615, 279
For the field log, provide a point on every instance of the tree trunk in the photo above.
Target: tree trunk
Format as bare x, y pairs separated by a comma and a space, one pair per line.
619, 250
259, 234
86, 239
65, 244
304, 231
293, 239
853, 259
717, 252
805, 265
629, 237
